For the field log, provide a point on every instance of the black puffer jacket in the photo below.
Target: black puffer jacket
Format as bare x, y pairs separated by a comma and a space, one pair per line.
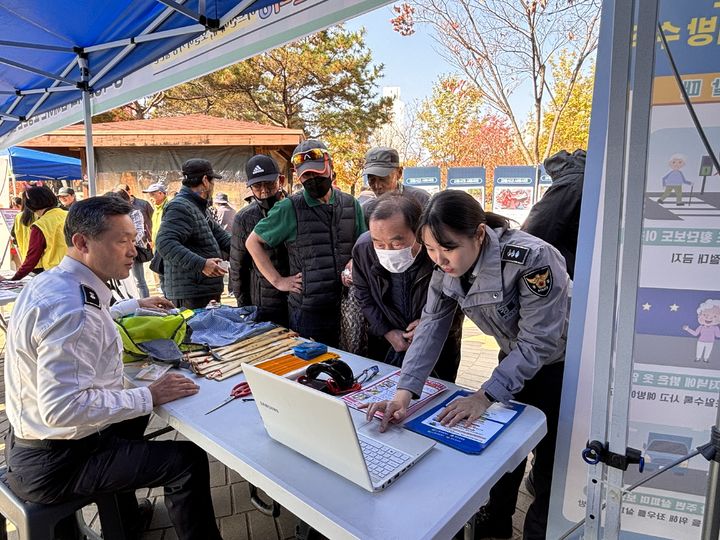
247, 284
556, 217
372, 291
187, 237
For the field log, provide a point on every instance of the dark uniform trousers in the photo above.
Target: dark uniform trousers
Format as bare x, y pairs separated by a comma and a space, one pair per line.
542, 391
117, 460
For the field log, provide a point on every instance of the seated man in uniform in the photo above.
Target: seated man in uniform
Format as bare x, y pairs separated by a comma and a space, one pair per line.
74, 430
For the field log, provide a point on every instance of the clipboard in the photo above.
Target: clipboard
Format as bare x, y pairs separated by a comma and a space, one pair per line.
471, 440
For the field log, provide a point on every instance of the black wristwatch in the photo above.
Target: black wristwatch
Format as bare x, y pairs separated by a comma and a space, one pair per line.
489, 397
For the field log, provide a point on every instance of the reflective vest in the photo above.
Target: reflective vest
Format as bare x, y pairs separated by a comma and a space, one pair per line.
157, 218
22, 236
51, 224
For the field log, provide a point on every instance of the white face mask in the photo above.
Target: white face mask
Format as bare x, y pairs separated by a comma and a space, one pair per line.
396, 260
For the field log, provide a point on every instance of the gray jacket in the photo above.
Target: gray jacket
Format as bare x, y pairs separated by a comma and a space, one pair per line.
520, 296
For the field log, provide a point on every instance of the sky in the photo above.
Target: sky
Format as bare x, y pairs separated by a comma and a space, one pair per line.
410, 62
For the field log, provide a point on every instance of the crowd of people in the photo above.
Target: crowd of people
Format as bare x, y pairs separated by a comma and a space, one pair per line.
415, 267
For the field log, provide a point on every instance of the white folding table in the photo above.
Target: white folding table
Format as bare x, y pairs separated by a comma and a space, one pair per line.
433, 499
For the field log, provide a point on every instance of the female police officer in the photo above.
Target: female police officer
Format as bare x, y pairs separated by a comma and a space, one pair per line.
515, 288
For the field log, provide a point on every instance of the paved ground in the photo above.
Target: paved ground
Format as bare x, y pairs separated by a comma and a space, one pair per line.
237, 519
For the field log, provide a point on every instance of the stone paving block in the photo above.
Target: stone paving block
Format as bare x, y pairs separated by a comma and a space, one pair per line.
170, 534
160, 519
157, 534
222, 501
234, 477
286, 522
218, 476
241, 497
261, 527
234, 527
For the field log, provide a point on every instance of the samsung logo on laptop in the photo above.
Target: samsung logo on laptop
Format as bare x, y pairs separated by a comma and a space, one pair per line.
273, 409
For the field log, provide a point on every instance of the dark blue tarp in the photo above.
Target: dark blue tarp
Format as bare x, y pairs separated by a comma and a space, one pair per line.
29, 165
77, 24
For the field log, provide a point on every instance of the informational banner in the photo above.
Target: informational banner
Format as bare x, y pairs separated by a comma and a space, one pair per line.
470, 179
8, 216
513, 190
427, 178
245, 36
544, 183
676, 358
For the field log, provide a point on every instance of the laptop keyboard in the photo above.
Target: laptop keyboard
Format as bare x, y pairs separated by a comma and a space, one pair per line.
381, 460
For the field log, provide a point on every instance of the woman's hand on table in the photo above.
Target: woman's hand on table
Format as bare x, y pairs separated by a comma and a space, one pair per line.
394, 410
468, 408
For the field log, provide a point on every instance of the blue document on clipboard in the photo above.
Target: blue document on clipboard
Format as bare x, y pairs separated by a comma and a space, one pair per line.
470, 440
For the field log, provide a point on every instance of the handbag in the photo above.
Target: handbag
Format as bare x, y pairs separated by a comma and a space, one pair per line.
144, 254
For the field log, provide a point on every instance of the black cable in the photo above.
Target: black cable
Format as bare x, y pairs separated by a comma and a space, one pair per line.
686, 99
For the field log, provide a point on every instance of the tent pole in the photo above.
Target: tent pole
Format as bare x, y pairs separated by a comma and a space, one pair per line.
711, 519
87, 115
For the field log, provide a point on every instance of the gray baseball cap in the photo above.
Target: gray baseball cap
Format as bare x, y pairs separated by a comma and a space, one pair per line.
157, 186
381, 161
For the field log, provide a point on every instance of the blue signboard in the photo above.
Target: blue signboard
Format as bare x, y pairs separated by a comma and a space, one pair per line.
427, 178
691, 31
513, 191
514, 176
466, 177
544, 177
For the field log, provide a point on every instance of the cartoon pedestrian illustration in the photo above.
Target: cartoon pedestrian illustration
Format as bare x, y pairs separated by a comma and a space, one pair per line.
709, 329
674, 180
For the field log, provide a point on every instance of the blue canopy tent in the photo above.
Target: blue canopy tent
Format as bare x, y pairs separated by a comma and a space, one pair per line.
54, 53
29, 165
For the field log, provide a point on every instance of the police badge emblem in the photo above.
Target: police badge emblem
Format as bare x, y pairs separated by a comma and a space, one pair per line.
539, 281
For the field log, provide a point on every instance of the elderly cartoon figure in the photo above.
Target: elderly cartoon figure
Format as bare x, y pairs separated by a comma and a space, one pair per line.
674, 180
709, 329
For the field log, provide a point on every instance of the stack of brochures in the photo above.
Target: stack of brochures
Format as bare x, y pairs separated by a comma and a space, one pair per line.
471, 439
384, 389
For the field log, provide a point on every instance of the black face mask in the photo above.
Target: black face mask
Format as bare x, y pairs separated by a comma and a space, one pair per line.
318, 186
267, 204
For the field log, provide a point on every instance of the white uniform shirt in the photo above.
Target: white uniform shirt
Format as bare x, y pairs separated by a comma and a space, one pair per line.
63, 366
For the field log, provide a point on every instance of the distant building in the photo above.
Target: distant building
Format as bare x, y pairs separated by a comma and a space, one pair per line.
393, 134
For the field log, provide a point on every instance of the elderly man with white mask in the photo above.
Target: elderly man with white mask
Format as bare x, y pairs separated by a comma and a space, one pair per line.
391, 273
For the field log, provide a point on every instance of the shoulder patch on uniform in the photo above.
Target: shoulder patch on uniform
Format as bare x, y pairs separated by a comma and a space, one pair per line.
514, 254
539, 281
90, 297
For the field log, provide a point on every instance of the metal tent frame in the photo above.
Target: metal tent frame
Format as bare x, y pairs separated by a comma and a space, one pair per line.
165, 28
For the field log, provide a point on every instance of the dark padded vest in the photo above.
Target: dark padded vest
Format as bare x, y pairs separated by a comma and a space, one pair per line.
325, 238
262, 293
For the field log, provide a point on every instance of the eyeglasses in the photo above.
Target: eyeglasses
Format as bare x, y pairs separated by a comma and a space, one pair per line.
314, 154
367, 374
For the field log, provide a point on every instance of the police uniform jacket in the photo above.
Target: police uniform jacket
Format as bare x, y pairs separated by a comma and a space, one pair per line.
63, 366
519, 295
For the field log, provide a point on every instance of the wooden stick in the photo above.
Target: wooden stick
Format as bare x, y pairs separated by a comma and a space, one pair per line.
271, 345
229, 370
248, 341
271, 352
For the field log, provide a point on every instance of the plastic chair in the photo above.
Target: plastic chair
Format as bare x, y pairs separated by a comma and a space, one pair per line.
37, 521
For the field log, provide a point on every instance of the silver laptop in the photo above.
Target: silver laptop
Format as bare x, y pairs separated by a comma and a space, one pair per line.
321, 428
